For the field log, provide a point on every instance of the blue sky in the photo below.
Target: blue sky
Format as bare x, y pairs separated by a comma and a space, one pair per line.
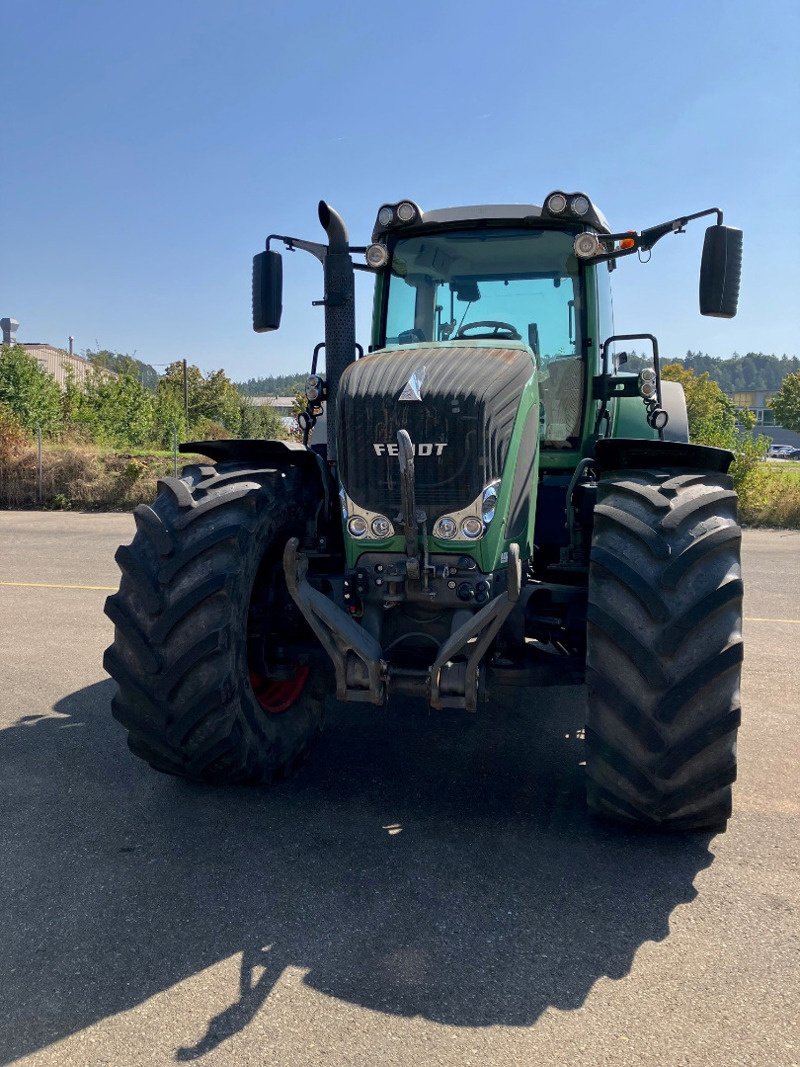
149, 148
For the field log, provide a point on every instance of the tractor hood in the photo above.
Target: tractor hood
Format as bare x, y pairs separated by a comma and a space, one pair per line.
457, 400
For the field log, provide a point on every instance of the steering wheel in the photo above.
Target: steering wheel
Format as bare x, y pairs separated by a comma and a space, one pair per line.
500, 331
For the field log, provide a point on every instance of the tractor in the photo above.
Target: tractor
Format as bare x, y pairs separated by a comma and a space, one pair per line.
493, 494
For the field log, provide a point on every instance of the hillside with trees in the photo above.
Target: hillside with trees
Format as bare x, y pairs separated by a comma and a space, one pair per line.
273, 385
124, 364
756, 370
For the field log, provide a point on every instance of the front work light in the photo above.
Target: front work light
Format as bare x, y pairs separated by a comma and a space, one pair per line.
377, 256
386, 216
406, 211
580, 204
587, 245
556, 203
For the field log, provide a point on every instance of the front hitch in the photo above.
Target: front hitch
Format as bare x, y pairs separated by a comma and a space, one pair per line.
363, 674
355, 654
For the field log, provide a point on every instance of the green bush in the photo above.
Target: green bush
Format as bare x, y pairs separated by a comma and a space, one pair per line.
713, 421
30, 392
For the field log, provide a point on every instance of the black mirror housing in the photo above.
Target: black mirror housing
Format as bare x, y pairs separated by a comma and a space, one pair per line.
267, 291
720, 272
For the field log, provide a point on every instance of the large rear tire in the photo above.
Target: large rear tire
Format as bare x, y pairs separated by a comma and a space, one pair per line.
201, 601
664, 649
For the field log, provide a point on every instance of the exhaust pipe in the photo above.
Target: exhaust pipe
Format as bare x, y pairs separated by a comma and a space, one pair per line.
340, 316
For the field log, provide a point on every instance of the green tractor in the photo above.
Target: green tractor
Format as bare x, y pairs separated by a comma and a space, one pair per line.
488, 497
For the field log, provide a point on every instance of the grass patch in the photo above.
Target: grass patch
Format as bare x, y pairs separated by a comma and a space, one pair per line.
82, 478
774, 499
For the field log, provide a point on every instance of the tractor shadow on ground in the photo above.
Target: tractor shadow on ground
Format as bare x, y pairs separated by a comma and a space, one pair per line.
417, 865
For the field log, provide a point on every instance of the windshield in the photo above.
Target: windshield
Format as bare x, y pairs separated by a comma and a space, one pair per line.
495, 284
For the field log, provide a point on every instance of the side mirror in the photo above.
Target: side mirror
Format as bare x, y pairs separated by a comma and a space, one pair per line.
267, 291
720, 272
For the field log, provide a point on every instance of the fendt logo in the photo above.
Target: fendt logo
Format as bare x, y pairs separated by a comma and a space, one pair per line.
419, 450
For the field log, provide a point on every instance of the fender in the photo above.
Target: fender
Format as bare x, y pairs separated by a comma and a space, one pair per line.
257, 452
620, 453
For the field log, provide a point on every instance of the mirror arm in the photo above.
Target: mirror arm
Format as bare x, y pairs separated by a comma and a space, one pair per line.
647, 238
644, 241
318, 250
293, 243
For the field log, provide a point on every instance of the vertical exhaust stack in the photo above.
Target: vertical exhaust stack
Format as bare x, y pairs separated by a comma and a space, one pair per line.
340, 315
9, 328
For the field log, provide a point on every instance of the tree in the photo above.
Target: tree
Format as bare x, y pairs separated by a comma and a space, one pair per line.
118, 411
786, 404
273, 385
124, 364
712, 420
259, 422
27, 390
213, 398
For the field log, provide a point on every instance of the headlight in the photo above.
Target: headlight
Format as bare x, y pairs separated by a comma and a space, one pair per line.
445, 528
471, 527
556, 203
357, 525
377, 256
381, 527
406, 211
489, 502
386, 216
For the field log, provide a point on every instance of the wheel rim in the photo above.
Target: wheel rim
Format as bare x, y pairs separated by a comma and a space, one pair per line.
274, 696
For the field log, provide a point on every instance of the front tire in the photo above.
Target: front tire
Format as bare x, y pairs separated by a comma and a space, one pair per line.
201, 607
664, 649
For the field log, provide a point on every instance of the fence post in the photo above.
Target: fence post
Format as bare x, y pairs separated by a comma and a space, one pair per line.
39, 493
175, 451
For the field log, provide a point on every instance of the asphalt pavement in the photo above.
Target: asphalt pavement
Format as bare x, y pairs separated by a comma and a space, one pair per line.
427, 890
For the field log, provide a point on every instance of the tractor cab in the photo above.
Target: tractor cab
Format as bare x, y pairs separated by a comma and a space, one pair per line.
500, 274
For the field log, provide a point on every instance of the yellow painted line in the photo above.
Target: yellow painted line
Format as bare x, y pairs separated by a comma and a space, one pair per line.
52, 585
751, 618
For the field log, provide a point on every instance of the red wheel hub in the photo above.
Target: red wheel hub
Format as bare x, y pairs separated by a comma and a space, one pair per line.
278, 696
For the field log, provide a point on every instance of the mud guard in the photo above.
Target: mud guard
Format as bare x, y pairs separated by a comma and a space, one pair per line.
619, 453
258, 452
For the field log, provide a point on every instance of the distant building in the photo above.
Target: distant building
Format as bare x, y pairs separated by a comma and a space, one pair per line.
56, 361
757, 401
61, 364
281, 404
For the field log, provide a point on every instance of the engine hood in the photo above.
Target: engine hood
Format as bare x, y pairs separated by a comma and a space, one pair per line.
458, 402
